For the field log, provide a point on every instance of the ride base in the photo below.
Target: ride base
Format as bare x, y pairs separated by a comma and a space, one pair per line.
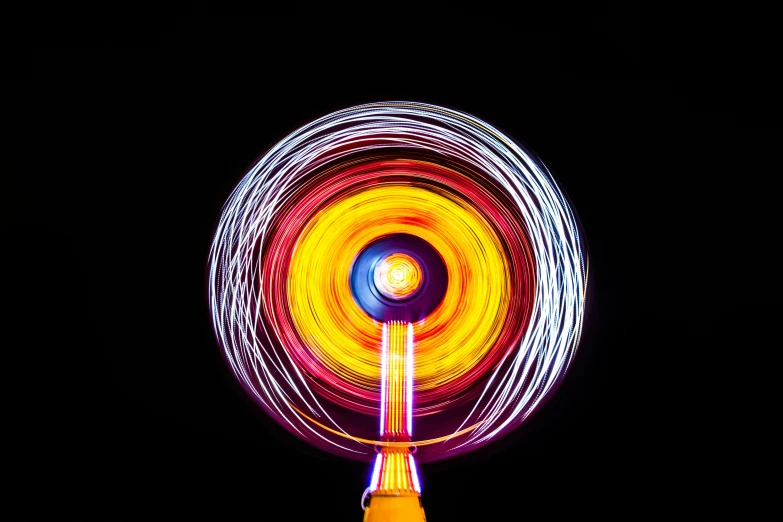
395, 508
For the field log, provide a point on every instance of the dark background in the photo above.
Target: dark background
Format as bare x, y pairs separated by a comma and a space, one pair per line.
141, 125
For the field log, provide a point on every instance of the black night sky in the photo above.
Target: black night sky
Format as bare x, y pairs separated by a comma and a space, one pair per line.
124, 408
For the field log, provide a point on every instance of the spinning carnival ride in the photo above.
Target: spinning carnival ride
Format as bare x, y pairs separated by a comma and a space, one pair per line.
398, 279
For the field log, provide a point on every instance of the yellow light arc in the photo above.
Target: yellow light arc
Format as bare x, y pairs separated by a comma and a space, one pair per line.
387, 443
453, 338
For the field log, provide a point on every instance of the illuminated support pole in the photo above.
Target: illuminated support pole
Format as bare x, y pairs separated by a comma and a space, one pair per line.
395, 488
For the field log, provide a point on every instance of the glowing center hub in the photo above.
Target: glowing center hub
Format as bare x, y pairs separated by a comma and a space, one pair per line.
397, 276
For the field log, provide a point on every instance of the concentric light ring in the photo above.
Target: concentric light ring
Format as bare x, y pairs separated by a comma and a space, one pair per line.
536, 227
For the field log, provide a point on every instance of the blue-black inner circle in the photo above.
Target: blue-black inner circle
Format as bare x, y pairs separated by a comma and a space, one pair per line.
414, 307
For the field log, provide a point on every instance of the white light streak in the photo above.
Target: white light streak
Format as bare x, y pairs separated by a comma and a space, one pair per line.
238, 306
414, 474
409, 380
376, 472
384, 355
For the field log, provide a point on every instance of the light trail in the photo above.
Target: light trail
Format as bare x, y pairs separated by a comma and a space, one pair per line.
509, 323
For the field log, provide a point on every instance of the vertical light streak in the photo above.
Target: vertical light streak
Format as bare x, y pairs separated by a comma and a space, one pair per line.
399, 342
395, 470
414, 474
409, 378
395, 473
376, 472
395, 379
398, 465
396, 369
384, 349
386, 472
390, 402
408, 472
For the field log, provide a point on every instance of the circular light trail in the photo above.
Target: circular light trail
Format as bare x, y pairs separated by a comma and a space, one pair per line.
374, 296
397, 276
407, 212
